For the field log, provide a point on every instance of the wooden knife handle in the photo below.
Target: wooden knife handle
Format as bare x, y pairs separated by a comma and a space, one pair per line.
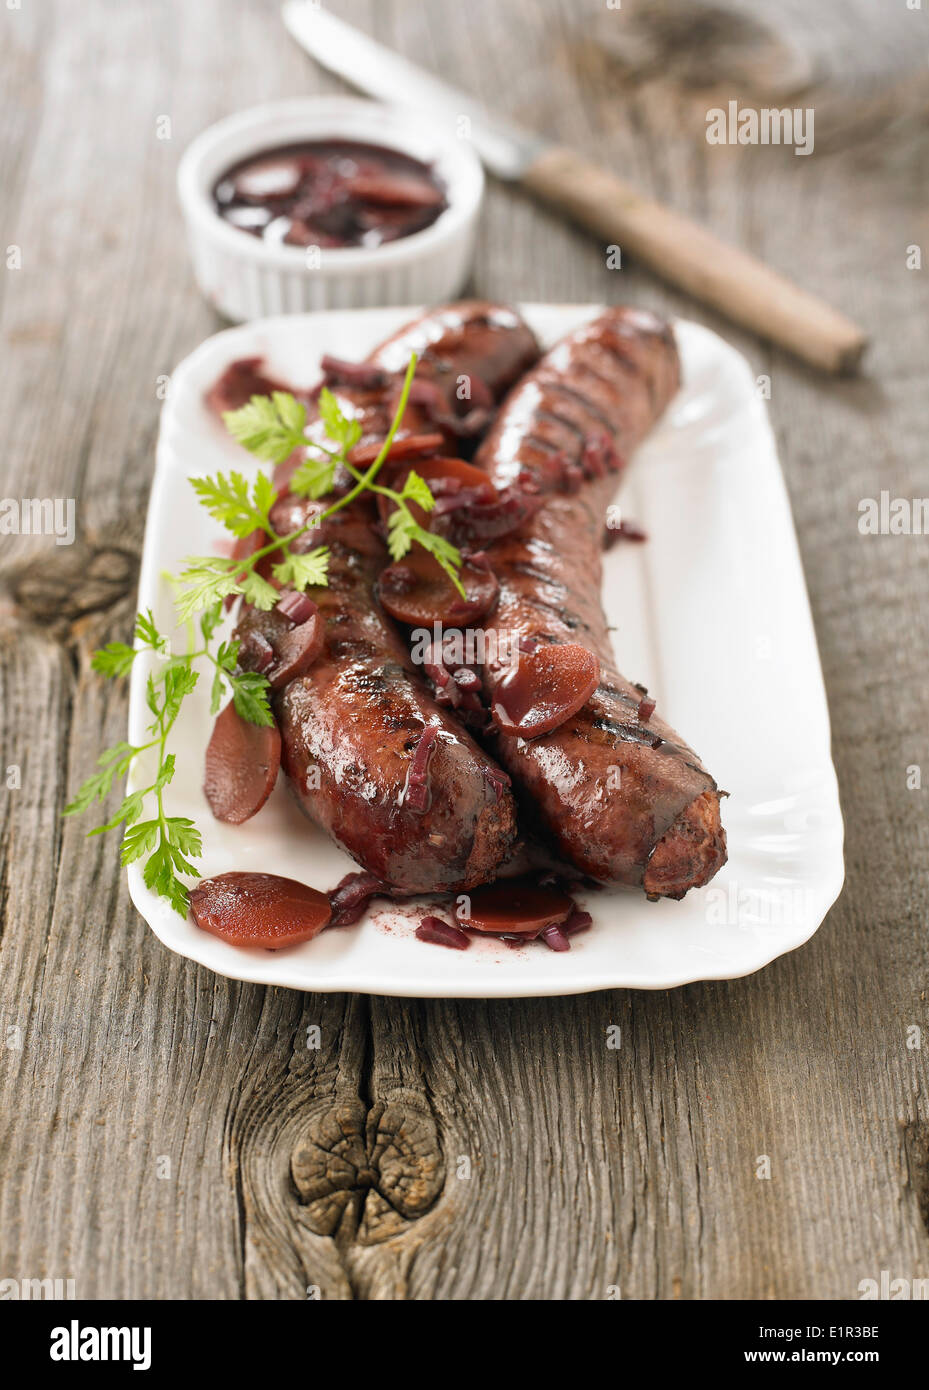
687, 255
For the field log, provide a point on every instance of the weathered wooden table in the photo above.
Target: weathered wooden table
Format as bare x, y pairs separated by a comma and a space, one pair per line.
160, 1126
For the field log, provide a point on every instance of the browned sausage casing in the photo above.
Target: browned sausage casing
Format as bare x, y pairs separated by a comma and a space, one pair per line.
350, 727
623, 798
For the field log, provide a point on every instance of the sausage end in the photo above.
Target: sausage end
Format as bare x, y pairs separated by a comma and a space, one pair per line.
690, 852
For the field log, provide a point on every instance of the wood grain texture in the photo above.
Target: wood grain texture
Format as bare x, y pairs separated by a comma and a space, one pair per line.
165, 1133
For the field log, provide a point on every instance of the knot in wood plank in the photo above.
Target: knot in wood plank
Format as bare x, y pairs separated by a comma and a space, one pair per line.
695, 44
366, 1173
65, 584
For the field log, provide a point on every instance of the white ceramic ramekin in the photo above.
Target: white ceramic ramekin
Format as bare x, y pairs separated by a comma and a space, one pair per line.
245, 279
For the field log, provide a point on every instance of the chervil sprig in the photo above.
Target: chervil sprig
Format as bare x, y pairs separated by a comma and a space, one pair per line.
170, 842
272, 427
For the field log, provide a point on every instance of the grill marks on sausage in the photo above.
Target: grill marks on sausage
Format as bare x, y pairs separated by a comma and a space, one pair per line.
547, 592
533, 572
598, 418
571, 425
537, 441
629, 733
612, 378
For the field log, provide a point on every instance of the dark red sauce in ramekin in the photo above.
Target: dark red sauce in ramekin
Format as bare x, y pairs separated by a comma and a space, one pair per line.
330, 193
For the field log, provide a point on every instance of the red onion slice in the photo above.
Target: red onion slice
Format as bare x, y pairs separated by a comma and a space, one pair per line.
439, 933
555, 938
416, 792
364, 375
297, 607
578, 921
350, 897
255, 652
296, 650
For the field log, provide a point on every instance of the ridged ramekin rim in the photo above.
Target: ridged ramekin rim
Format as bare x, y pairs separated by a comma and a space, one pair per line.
465, 189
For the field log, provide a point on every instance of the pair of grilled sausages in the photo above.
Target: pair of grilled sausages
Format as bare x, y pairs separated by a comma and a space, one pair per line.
620, 796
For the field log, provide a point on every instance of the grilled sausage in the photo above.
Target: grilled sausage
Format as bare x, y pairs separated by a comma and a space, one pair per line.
371, 757
373, 760
617, 790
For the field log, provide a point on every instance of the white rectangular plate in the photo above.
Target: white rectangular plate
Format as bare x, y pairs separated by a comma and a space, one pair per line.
714, 619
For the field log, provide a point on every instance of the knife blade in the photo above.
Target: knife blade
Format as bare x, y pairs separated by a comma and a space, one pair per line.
359, 60
678, 250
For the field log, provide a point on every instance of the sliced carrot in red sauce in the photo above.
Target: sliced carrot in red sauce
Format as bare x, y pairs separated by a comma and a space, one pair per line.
242, 762
407, 446
416, 590
517, 905
248, 909
544, 688
395, 190
451, 475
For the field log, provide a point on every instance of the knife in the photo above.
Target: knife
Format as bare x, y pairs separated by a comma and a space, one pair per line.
680, 251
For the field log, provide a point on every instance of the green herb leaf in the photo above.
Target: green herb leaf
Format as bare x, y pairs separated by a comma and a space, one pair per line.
228, 654
178, 896
216, 691
207, 579
225, 663
258, 592
314, 477
438, 546
270, 427
250, 697
226, 498
403, 530
185, 836
151, 699
147, 632
160, 877
400, 529
179, 682
165, 774
138, 840
115, 659
210, 620
113, 763
341, 428
303, 571
129, 811
416, 489
291, 413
